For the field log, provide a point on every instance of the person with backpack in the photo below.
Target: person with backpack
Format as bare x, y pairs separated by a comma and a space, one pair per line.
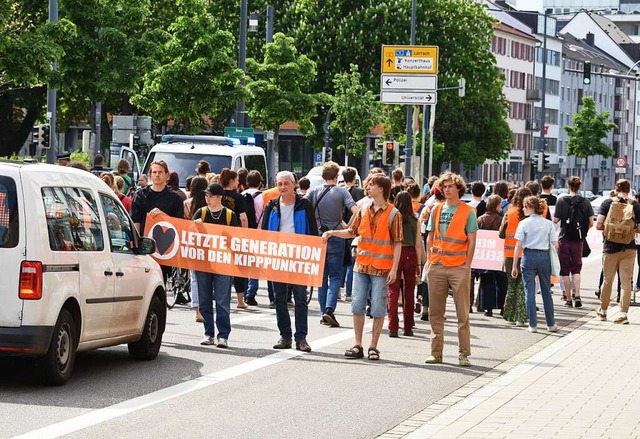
253, 204
618, 218
575, 215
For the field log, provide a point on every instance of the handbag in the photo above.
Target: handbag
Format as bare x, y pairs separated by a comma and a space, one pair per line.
555, 261
586, 250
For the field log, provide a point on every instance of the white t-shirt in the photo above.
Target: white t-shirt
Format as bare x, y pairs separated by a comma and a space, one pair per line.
286, 218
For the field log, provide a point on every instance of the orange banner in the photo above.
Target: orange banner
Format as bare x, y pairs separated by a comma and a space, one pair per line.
237, 251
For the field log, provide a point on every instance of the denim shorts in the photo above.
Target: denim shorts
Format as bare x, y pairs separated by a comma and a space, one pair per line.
362, 284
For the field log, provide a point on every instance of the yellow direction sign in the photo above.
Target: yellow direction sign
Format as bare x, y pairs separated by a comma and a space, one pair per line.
410, 59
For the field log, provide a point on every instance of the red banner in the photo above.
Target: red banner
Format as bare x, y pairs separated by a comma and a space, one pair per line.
237, 251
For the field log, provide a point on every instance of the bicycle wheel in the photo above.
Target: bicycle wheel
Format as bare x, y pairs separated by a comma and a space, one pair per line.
172, 287
309, 295
185, 284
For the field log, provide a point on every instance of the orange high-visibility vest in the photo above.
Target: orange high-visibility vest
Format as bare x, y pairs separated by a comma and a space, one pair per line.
416, 206
510, 234
376, 248
451, 249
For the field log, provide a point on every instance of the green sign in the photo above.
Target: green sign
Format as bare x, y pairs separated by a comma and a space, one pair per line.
238, 132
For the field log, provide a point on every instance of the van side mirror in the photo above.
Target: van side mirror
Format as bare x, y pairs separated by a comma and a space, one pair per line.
146, 246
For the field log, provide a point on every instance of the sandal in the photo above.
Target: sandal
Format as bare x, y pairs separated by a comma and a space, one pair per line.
373, 354
354, 352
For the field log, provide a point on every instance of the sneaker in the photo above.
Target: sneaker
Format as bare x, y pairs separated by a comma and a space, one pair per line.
330, 318
434, 359
569, 303
601, 314
552, 328
348, 299
393, 334
283, 343
578, 302
597, 293
323, 321
463, 360
532, 329
621, 320
208, 341
222, 343
488, 313
303, 346
251, 301
564, 296
520, 324
424, 317
272, 305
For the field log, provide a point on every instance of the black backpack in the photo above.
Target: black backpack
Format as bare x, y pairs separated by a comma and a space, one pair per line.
576, 225
250, 208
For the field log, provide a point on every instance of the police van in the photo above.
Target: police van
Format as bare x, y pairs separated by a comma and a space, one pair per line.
75, 273
182, 153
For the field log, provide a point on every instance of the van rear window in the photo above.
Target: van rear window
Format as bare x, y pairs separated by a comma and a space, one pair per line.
185, 164
9, 226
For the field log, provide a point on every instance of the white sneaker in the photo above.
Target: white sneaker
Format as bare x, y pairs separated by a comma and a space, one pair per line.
208, 341
552, 328
532, 329
222, 343
520, 324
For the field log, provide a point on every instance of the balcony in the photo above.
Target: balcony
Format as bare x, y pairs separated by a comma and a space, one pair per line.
532, 125
533, 94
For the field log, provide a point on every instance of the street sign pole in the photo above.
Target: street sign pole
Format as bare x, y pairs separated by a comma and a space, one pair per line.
409, 144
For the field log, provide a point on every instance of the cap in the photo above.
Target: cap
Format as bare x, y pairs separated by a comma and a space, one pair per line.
64, 156
214, 189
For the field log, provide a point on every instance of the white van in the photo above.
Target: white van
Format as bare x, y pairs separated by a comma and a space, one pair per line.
182, 153
75, 274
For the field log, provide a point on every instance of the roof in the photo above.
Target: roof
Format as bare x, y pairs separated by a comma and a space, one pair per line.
611, 29
586, 52
511, 30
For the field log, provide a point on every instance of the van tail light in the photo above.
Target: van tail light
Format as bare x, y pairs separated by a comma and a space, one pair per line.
30, 280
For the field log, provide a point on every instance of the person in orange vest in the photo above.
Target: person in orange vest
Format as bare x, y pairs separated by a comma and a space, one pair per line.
515, 308
450, 247
379, 227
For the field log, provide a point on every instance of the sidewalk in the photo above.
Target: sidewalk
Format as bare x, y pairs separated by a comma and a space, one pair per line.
583, 385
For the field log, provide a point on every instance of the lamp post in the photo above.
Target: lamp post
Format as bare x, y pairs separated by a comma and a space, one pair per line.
408, 142
242, 59
52, 152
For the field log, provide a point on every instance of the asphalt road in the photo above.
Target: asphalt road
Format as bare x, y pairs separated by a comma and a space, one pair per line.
253, 391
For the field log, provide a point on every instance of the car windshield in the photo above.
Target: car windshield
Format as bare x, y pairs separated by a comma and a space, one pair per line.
8, 213
185, 164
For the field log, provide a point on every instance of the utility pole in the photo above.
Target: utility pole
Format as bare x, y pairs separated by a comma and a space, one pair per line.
242, 59
52, 152
408, 143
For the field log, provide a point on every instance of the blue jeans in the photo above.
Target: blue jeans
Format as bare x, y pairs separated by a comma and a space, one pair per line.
215, 287
194, 289
534, 263
332, 275
282, 310
362, 283
252, 288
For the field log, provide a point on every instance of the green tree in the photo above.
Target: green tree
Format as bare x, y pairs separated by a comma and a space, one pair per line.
280, 89
28, 46
196, 74
588, 129
355, 109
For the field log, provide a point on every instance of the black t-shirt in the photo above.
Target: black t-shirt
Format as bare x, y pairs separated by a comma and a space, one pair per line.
219, 217
147, 199
563, 208
614, 247
234, 201
552, 200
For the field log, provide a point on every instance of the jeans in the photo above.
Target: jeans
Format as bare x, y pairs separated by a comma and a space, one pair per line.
252, 288
347, 277
215, 287
535, 262
332, 275
300, 310
194, 289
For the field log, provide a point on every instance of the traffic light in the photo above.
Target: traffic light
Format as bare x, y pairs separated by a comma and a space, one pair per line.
33, 145
45, 136
586, 73
388, 154
400, 152
545, 160
328, 154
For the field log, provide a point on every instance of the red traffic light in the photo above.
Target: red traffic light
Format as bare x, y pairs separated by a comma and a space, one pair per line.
389, 145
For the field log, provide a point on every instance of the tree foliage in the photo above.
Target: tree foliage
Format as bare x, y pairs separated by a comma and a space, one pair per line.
355, 109
588, 129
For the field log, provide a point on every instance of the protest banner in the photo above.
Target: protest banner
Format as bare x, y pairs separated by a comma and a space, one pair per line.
489, 254
237, 251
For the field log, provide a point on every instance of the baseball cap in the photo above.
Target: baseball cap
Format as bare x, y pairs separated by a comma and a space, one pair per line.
214, 189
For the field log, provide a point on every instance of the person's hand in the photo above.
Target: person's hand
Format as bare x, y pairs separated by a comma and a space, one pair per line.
199, 220
418, 270
155, 211
514, 272
391, 277
325, 236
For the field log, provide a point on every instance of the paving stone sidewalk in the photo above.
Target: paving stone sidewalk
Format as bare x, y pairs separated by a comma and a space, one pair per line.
583, 385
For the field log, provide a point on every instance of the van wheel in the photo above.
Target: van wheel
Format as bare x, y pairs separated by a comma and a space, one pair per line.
148, 346
57, 365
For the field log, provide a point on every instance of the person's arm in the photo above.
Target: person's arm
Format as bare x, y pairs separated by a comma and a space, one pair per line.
428, 250
600, 222
344, 234
471, 249
516, 257
418, 249
244, 221
397, 250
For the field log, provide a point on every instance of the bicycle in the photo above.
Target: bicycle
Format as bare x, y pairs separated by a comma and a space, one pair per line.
178, 284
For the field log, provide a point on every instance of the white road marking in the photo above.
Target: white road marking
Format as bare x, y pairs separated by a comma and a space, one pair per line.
96, 417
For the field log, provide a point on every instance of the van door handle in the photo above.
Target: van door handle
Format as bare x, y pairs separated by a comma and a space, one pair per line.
119, 273
108, 273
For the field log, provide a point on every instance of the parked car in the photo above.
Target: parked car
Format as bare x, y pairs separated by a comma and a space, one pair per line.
76, 274
596, 202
